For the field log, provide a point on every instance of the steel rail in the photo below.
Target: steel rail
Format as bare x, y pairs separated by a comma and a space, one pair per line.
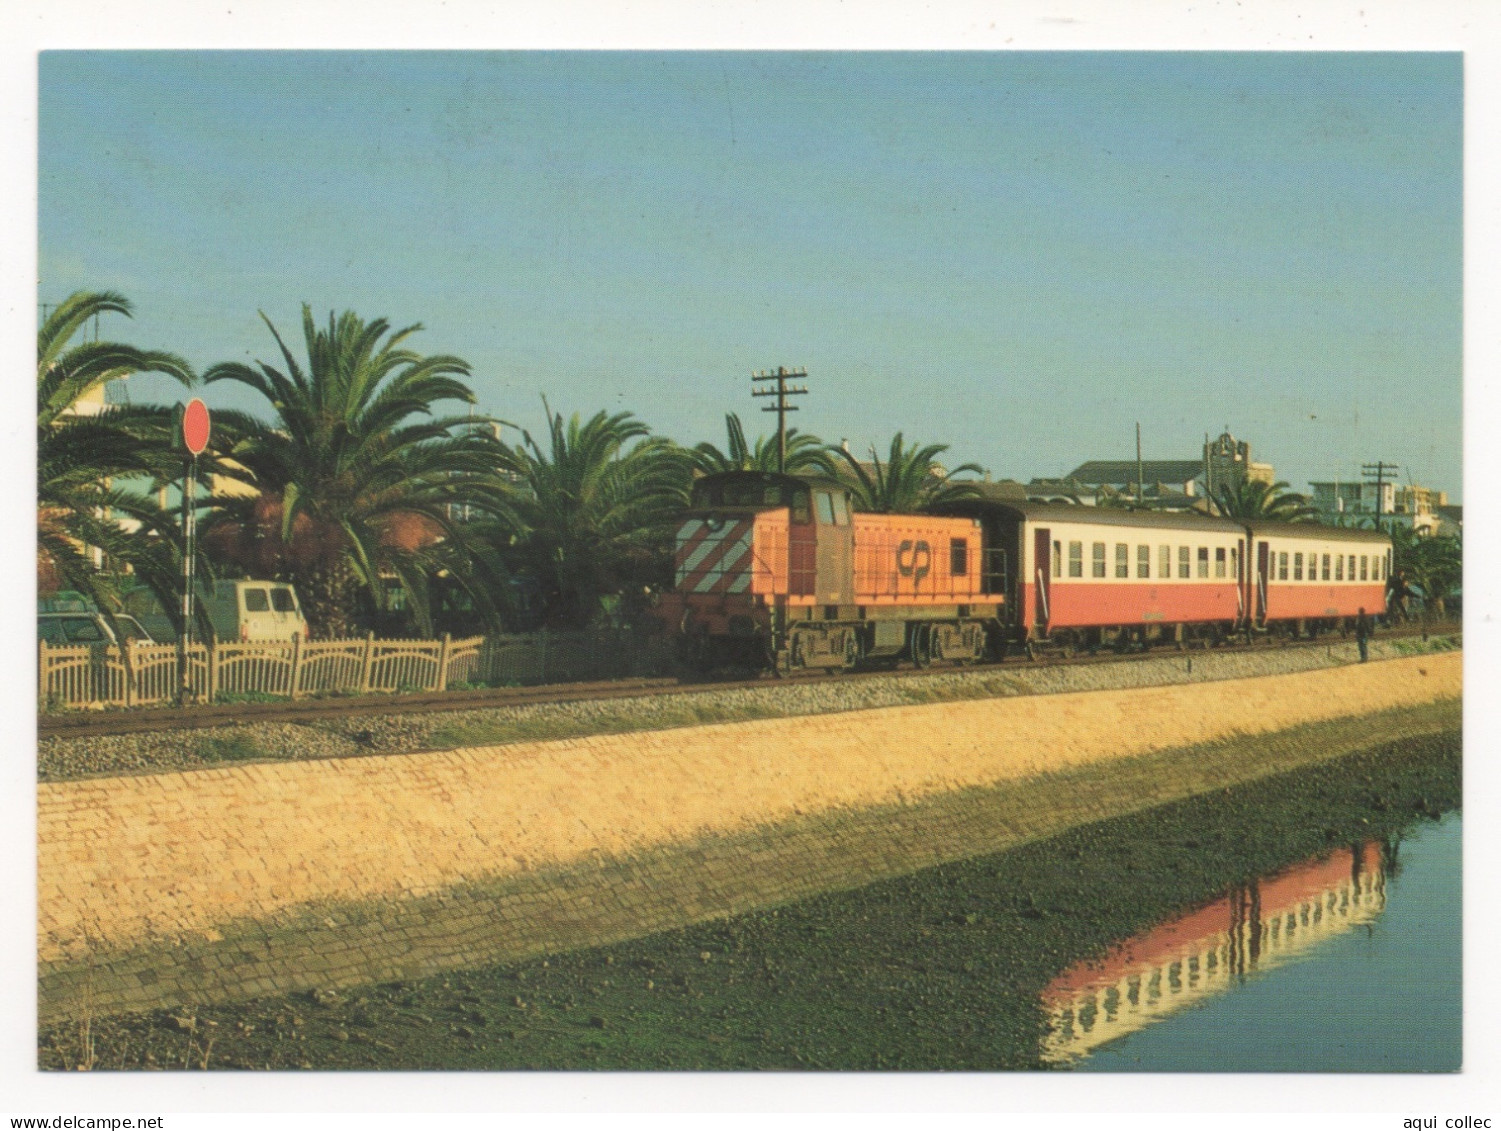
135, 720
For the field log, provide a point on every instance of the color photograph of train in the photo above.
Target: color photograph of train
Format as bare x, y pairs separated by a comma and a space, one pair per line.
779, 572
595, 728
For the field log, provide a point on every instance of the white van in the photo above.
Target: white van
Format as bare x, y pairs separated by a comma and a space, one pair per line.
240, 611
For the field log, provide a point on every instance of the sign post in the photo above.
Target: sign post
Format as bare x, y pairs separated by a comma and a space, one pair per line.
194, 432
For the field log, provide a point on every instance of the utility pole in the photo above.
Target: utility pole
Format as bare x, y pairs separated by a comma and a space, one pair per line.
1380, 470
781, 408
1140, 488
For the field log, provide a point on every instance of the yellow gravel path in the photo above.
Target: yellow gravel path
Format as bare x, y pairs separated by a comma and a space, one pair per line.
166, 856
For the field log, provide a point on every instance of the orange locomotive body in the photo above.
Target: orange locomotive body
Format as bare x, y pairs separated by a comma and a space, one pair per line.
777, 570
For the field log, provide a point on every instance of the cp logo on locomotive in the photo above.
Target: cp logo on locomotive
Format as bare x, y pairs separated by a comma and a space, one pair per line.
914, 559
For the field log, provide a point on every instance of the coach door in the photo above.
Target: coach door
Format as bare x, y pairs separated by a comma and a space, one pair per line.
1263, 569
1042, 565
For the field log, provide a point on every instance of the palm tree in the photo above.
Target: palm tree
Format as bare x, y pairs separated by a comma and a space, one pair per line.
85, 446
1253, 498
597, 506
910, 480
1434, 564
357, 476
806, 453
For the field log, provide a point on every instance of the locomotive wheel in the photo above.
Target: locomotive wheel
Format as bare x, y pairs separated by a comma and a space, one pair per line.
852, 650
796, 652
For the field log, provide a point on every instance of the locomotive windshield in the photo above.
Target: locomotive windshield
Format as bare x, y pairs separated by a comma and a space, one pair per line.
734, 494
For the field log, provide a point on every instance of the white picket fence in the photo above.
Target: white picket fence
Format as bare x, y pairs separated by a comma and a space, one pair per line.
93, 675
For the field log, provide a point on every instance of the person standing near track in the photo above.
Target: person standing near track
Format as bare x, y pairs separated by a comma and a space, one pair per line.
1363, 635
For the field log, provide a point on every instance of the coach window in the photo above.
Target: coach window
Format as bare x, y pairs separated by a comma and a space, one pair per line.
1203, 561
1183, 566
1164, 561
1076, 559
1098, 555
1282, 566
1363, 567
958, 557
1057, 559
1122, 560
1326, 567
1297, 567
1144, 561
1235, 561
1219, 561
1339, 567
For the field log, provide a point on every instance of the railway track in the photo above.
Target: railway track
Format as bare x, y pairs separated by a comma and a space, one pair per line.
92, 723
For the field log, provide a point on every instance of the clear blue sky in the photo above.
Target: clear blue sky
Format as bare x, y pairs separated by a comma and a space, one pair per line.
1017, 254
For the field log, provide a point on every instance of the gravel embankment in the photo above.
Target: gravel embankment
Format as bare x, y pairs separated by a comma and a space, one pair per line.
60, 758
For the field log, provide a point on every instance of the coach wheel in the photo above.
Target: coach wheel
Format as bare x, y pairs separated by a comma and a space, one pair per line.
1067, 645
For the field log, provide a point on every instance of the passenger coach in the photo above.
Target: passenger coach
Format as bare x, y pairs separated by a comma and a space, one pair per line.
1317, 577
1084, 576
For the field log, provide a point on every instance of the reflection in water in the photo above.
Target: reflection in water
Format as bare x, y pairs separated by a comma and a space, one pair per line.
1257, 926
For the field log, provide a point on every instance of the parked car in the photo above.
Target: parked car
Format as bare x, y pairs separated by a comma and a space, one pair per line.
239, 611
87, 628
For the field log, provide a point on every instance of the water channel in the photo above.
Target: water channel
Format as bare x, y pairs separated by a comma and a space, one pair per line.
1348, 962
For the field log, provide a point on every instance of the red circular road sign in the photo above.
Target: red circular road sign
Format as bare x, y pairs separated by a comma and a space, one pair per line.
195, 426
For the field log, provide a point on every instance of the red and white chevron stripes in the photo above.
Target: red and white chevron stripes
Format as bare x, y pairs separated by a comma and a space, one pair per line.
714, 556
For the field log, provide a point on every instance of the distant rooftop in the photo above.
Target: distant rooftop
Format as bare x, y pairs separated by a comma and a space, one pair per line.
1129, 471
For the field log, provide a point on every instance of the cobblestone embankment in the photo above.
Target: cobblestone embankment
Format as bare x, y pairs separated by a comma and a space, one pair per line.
211, 884
61, 758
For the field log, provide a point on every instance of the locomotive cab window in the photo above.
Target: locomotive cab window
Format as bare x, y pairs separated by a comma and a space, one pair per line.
825, 507
841, 510
958, 557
